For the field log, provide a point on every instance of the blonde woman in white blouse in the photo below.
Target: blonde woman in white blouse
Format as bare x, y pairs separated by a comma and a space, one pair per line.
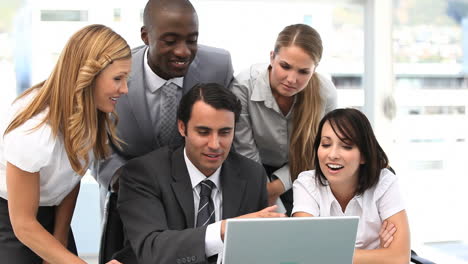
351, 179
48, 139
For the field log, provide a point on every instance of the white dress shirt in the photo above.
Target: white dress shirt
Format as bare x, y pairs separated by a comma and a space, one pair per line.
213, 242
36, 150
154, 95
373, 207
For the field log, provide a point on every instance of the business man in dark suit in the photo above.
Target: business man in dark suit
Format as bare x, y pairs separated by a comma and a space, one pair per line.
170, 57
167, 213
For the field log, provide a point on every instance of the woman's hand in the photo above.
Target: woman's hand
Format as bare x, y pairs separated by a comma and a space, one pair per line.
386, 234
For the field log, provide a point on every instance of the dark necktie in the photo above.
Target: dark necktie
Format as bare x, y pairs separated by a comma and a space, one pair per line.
206, 214
168, 123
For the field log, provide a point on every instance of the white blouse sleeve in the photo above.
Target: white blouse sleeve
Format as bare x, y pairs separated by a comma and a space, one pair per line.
29, 148
305, 194
387, 195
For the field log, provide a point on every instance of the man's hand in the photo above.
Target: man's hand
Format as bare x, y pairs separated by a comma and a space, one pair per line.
114, 262
386, 234
268, 212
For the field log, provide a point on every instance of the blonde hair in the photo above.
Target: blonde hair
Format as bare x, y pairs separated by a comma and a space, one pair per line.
68, 93
308, 108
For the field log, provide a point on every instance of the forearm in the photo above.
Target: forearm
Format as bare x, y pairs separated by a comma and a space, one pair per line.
41, 242
64, 214
397, 252
380, 256
274, 188
23, 201
284, 175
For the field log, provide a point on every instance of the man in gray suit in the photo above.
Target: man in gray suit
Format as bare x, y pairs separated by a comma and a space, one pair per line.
167, 215
170, 55
169, 64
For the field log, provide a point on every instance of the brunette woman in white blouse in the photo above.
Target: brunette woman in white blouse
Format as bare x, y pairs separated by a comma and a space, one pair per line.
49, 137
351, 179
282, 104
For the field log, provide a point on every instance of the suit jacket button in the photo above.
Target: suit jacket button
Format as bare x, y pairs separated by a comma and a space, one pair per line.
184, 260
194, 258
189, 259
178, 261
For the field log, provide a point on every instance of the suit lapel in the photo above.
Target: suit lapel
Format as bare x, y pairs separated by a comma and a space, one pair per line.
182, 186
137, 96
233, 188
192, 76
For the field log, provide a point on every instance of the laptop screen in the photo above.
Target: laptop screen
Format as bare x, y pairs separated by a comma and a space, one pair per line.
297, 240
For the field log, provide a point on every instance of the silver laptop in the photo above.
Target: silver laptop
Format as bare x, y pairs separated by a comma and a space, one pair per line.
297, 240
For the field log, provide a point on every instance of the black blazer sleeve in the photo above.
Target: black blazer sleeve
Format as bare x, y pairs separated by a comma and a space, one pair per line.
144, 214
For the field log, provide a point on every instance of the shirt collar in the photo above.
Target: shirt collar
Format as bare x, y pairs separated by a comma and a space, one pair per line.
153, 81
261, 91
359, 199
332, 200
197, 176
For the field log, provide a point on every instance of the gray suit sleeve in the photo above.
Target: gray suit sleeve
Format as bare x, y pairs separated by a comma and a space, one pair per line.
104, 170
229, 72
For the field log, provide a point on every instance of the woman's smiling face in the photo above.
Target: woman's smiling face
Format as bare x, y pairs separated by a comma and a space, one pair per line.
339, 161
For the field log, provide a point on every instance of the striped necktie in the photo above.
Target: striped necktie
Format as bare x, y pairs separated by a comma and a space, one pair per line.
206, 214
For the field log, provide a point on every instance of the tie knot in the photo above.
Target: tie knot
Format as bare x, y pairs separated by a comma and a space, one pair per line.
170, 89
205, 188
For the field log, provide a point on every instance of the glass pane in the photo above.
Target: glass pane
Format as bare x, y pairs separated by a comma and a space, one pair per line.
117, 14
430, 40
64, 15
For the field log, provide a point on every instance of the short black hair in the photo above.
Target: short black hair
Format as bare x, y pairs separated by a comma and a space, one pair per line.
152, 8
353, 127
213, 94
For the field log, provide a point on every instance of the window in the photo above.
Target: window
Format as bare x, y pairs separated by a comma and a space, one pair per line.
430, 127
64, 15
